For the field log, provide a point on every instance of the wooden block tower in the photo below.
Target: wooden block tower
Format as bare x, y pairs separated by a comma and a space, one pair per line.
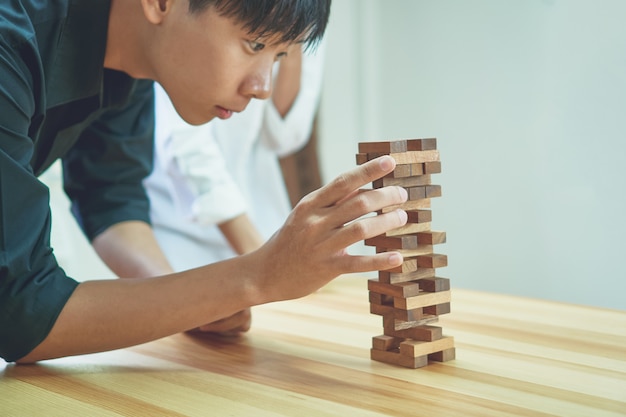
411, 297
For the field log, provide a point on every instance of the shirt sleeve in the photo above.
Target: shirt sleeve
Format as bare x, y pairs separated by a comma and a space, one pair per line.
33, 288
104, 170
286, 135
201, 185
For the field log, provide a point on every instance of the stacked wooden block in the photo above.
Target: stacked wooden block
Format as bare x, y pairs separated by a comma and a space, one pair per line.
411, 297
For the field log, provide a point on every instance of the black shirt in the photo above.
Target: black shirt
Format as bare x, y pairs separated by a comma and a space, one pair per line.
57, 101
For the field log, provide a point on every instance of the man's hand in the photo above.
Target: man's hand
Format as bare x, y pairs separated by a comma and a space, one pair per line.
311, 248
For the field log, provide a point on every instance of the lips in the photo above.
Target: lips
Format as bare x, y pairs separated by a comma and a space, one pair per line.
223, 113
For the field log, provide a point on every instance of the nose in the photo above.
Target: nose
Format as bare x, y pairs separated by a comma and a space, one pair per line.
259, 83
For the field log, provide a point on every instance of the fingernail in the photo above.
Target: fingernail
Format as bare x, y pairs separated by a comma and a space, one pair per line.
395, 259
386, 162
402, 215
403, 193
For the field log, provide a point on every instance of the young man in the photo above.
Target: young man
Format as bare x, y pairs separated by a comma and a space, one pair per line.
71, 87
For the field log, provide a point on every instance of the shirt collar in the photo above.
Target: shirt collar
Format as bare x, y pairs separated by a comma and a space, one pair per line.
78, 67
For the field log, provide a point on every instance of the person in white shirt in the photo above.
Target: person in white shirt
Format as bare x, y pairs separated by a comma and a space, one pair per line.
217, 189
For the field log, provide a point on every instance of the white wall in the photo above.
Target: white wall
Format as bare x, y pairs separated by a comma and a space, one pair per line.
527, 99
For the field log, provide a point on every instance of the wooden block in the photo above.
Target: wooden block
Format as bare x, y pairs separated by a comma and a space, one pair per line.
443, 355
361, 158
393, 357
388, 310
381, 299
409, 253
421, 144
409, 265
394, 277
402, 182
430, 237
416, 314
393, 242
407, 205
401, 289
418, 348
419, 216
434, 284
421, 331
436, 310
408, 157
433, 167
407, 170
399, 145
421, 192
409, 228
384, 342
432, 260
423, 300
382, 309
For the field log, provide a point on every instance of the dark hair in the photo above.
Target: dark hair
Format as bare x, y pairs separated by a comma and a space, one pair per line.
288, 20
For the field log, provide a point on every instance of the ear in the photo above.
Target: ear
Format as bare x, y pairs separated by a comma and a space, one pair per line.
156, 10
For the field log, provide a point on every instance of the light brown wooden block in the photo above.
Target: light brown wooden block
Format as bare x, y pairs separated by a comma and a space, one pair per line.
393, 242
443, 355
434, 284
384, 342
409, 253
394, 278
430, 237
407, 205
409, 228
402, 182
414, 157
433, 167
425, 144
393, 357
421, 192
408, 157
436, 310
401, 289
418, 348
423, 300
406, 170
409, 265
419, 216
399, 145
432, 260
420, 331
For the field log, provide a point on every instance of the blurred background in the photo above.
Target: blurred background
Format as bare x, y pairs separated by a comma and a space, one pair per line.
528, 102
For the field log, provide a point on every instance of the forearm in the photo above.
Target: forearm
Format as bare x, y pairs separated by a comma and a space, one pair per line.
130, 249
241, 234
112, 314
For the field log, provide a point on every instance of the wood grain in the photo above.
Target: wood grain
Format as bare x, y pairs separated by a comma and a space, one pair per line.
311, 357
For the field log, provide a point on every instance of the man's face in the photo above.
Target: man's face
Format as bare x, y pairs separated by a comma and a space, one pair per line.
210, 66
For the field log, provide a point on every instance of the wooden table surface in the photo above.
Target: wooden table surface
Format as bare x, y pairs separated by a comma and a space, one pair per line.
310, 357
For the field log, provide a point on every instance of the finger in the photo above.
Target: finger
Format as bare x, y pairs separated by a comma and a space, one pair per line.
350, 181
367, 202
378, 262
368, 227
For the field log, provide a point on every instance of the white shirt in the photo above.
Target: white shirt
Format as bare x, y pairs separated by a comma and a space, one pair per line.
205, 175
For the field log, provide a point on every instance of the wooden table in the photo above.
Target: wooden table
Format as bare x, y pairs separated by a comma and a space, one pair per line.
310, 357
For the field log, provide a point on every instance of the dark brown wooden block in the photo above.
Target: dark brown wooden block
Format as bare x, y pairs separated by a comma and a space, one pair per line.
401, 289
421, 144
430, 237
393, 242
399, 145
419, 216
436, 310
393, 357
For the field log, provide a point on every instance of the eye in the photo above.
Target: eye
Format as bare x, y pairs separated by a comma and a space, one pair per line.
256, 46
281, 55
